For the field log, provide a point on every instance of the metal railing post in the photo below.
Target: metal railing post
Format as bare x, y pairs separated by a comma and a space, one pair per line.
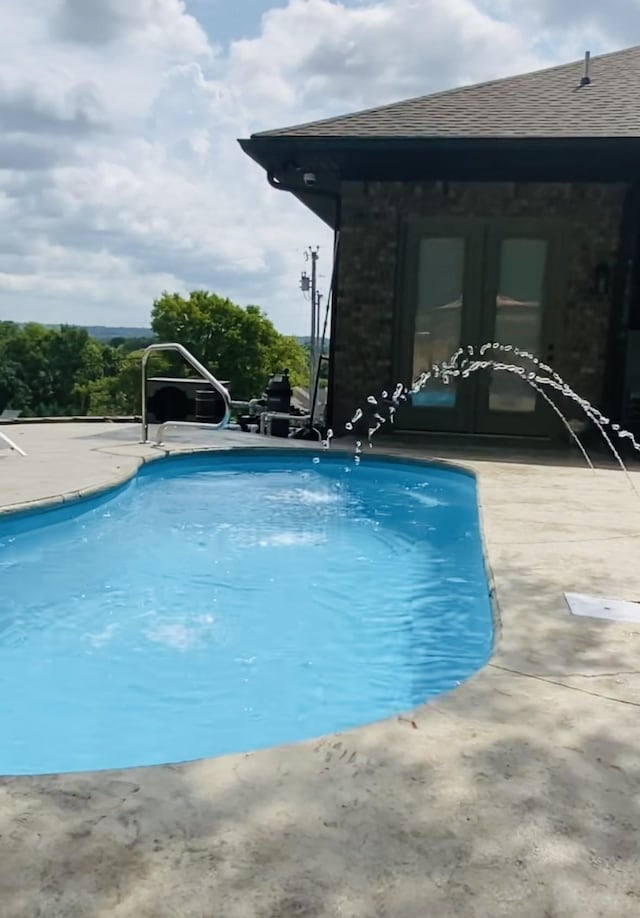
204, 373
145, 423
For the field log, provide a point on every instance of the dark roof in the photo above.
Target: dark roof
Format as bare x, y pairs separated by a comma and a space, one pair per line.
546, 103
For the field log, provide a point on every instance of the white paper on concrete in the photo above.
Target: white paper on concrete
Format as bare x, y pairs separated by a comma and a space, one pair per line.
616, 610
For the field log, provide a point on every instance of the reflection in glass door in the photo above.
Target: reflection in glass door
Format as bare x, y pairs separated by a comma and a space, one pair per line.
473, 282
438, 315
516, 311
440, 294
519, 305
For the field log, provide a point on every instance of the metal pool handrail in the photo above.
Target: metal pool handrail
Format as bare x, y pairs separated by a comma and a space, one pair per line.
199, 368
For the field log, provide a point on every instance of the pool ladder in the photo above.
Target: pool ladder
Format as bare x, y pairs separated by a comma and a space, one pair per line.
206, 376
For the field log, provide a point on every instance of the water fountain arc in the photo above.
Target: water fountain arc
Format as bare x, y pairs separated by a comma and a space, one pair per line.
468, 360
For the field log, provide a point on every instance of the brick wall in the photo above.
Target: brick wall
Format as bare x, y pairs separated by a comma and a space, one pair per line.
372, 217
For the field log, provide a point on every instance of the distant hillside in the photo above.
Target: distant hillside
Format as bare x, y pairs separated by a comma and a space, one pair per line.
106, 332
305, 341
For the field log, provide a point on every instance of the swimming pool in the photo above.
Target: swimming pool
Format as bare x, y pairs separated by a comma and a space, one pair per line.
225, 602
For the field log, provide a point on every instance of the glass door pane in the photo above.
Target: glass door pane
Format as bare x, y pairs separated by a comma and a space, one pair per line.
519, 310
438, 315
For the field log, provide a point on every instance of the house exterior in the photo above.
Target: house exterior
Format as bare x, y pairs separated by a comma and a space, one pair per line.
503, 212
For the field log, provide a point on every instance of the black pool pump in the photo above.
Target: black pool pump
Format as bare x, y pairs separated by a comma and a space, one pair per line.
278, 398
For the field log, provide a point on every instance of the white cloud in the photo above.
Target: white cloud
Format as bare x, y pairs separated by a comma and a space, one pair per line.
119, 169
161, 25
574, 22
316, 55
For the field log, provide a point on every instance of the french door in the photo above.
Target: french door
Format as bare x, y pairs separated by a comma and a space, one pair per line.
471, 283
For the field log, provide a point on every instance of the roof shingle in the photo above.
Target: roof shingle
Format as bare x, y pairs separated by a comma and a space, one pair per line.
546, 103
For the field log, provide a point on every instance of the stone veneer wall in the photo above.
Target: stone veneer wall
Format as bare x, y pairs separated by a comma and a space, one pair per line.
371, 220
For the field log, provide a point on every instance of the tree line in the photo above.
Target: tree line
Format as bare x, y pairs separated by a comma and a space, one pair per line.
60, 372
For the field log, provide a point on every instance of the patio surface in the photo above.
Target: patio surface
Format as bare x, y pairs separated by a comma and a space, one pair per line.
516, 795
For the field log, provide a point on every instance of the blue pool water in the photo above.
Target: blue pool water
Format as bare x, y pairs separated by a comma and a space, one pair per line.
225, 603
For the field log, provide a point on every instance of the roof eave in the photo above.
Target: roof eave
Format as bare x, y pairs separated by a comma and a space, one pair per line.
333, 160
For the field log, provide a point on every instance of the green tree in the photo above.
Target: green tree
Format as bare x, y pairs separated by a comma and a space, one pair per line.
130, 344
119, 392
26, 349
14, 393
64, 371
290, 354
75, 361
47, 371
237, 344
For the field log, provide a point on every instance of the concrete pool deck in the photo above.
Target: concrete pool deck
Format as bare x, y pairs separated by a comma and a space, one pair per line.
516, 795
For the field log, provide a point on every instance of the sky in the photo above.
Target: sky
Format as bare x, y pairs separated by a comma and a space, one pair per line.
120, 174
